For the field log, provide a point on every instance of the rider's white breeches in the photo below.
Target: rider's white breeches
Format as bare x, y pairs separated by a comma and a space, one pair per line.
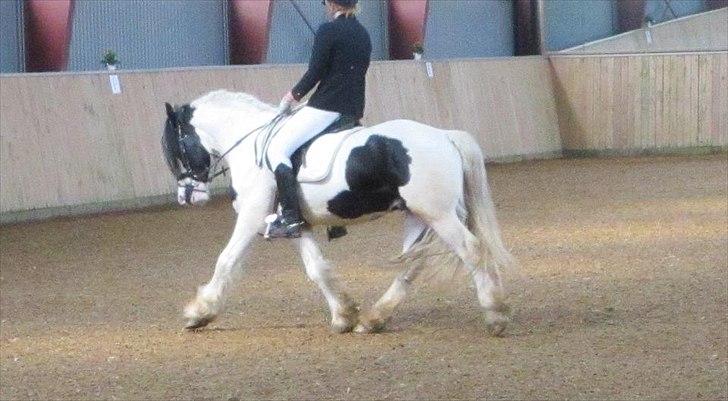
302, 126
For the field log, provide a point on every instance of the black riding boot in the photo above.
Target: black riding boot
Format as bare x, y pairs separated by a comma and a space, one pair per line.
289, 222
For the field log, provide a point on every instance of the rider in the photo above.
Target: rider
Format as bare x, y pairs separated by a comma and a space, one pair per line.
339, 62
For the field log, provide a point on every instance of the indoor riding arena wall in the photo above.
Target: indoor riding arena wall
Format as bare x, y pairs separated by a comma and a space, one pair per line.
637, 104
71, 146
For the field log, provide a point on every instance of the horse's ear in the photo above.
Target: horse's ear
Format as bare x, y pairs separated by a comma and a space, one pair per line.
187, 113
170, 111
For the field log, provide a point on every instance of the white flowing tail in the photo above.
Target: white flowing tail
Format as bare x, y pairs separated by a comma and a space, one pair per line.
481, 220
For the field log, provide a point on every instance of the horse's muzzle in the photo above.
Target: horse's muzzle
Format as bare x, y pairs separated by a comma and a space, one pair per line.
191, 192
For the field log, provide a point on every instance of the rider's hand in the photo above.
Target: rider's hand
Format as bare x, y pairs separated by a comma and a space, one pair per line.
286, 103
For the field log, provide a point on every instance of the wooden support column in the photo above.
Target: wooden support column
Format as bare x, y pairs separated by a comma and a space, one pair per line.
406, 27
526, 28
47, 34
249, 30
630, 14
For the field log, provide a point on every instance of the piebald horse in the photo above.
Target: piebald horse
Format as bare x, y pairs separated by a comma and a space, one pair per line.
436, 177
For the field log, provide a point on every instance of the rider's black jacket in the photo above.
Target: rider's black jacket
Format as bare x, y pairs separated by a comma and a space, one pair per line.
339, 62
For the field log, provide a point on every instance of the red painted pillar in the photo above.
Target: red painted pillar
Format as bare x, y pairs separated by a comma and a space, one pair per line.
47, 34
406, 27
249, 30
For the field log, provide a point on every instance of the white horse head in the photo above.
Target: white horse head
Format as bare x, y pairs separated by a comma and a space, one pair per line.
436, 177
188, 145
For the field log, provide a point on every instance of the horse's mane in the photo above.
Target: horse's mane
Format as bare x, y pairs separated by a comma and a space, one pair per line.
236, 100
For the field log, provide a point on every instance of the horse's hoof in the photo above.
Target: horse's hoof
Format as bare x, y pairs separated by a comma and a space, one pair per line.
370, 325
368, 328
362, 329
341, 327
198, 314
193, 324
496, 323
496, 329
344, 320
343, 324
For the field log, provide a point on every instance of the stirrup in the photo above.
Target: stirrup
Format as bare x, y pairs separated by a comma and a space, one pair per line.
277, 227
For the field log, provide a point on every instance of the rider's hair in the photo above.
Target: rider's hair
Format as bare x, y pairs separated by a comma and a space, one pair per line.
347, 11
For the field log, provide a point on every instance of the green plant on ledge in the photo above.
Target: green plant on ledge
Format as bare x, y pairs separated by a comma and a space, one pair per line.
417, 48
110, 58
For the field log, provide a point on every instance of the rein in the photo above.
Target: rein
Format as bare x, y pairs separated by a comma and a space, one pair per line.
270, 124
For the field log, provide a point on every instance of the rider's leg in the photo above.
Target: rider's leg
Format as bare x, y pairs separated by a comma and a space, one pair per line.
299, 129
288, 197
302, 126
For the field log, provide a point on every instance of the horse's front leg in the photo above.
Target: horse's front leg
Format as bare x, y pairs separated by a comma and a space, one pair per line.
210, 298
344, 311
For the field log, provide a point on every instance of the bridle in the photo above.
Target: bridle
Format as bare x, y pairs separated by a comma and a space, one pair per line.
192, 179
182, 139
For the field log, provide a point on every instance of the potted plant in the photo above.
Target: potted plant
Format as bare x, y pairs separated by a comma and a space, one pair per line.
110, 60
417, 50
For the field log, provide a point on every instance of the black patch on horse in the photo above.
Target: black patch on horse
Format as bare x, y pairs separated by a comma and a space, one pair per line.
374, 173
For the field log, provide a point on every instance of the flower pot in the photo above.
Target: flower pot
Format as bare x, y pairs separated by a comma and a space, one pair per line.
417, 56
111, 67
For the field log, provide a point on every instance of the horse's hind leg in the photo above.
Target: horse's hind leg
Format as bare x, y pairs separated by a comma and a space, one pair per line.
383, 309
487, 282
377, 317
344, 311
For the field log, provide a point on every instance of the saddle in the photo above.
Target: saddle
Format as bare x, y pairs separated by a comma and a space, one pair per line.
330, 146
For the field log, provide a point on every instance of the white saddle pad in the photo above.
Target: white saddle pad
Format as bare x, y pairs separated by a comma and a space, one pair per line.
319, 157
